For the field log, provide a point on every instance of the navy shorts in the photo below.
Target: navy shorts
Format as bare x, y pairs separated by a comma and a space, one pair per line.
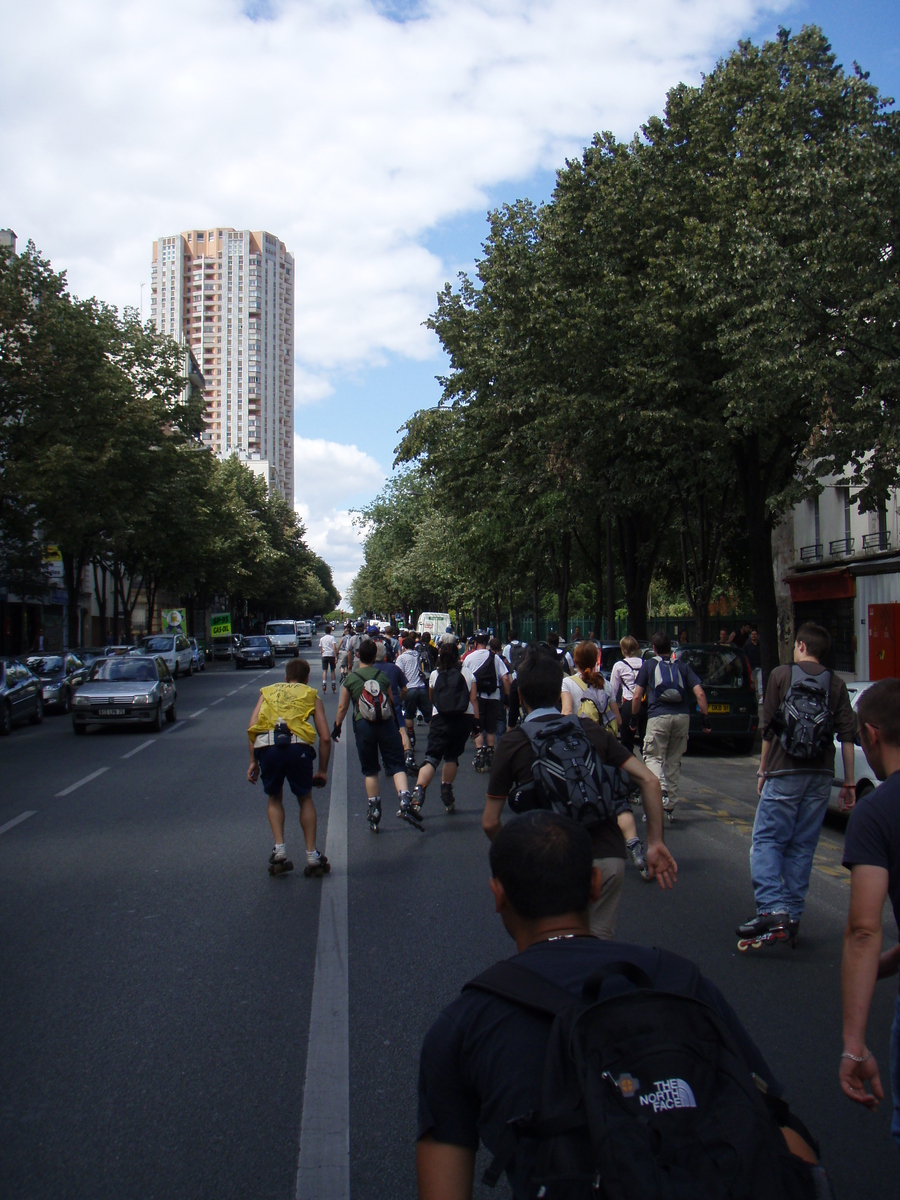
417, 701
373, 737
293, 763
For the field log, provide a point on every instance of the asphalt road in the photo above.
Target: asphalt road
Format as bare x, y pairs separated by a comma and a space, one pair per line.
156, 982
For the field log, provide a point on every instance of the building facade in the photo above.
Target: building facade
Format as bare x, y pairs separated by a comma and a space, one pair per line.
230, 295
845, 575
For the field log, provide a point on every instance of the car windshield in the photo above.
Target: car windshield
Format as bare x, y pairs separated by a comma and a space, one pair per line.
156, 645
109, 669
45, 666
281, 627
609, 655
256, 641
719, 667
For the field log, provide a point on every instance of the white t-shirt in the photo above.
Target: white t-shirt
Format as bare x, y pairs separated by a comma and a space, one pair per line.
326, 646
467, 676
476, 659
623, 676
577, 693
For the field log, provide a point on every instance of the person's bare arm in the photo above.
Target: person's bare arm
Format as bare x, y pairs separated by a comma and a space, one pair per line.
253, 769
473, 700
616, 712
662, 865
636, 703
343, 705
444, 1172
324, 740
701, 700
859, 970
490, 818
761, 772
567, 703
847, 798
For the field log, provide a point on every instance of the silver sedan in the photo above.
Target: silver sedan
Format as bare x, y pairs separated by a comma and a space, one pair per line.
134, 688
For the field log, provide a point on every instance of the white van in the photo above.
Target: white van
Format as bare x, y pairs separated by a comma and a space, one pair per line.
283, 636
435, 623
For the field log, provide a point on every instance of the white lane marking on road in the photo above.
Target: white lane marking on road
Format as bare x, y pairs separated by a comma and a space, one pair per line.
191, 716
82, 782
219, 701
177, 725
138, 749
233, 692
241, 688
17, 820
323, 1165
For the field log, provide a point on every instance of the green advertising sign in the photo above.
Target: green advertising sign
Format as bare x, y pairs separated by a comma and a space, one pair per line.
220, 625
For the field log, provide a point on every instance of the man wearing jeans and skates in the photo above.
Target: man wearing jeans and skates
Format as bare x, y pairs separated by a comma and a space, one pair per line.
794, 792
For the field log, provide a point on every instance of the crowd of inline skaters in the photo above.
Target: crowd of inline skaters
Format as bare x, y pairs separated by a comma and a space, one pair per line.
517, 703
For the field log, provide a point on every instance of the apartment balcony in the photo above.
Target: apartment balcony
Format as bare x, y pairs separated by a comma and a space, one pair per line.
841, 546
877, 541
812, 553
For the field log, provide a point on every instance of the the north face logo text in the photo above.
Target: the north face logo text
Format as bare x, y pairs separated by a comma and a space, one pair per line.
670, 1093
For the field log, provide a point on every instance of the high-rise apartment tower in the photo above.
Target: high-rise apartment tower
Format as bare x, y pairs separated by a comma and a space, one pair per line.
229, 293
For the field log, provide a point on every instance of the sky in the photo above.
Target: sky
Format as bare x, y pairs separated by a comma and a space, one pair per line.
371, 136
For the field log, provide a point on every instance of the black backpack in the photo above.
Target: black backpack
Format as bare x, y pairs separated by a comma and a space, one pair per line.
486, 675
516, 654
451, 693
568, 776
805, 723
644, 1094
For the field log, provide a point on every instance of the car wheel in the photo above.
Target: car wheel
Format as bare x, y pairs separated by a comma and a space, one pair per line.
172, 714
38, 715
78, 728
190, 668
175, 672
156, 724
66, 704
5, 719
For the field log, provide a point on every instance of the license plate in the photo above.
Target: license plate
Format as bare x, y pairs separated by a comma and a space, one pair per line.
720, 708
112, 712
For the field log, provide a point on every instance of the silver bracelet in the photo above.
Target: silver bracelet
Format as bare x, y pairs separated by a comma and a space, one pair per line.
857, 1058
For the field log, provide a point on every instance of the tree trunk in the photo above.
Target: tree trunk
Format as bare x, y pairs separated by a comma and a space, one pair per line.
536, 608
561, 568
100, 591
597, 571
759, 545
610, 584
73, 566
638, 559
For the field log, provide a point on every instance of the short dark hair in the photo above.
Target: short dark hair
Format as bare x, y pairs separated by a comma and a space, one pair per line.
368, 650
296, 670
879, 705
540, 677
544, 862
661, 642
815, 638
409, 642
426, 637
552, 639
494, 644
482, 637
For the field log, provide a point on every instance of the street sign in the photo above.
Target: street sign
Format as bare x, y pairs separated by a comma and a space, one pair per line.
220, 625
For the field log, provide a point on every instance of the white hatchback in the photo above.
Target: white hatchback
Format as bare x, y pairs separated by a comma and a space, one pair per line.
173, 648
865, 776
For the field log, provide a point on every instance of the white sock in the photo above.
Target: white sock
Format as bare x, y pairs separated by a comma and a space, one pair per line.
312, 855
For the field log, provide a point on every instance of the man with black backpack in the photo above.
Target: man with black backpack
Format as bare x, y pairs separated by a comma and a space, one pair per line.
593, 1068
492, 683
375, 726
454, 713
805, 706
575, 767
514, 652
668, 684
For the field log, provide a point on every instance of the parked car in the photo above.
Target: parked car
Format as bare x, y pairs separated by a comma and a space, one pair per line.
198, 655
283, 635
88, 654
137, 688
865, 777
610, 654
21, 695
733, 710
254, 650
174, 648
60, 675
223, 647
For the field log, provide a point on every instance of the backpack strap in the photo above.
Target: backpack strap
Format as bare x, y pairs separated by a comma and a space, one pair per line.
511, 981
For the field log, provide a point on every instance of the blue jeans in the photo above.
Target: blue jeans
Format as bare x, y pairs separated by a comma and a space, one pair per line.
895, 1072
785, 833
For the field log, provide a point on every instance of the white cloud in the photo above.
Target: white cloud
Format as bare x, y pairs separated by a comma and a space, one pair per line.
329, 478
348, 134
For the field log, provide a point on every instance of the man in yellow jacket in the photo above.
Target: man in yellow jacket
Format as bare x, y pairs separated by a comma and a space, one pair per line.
282, 736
